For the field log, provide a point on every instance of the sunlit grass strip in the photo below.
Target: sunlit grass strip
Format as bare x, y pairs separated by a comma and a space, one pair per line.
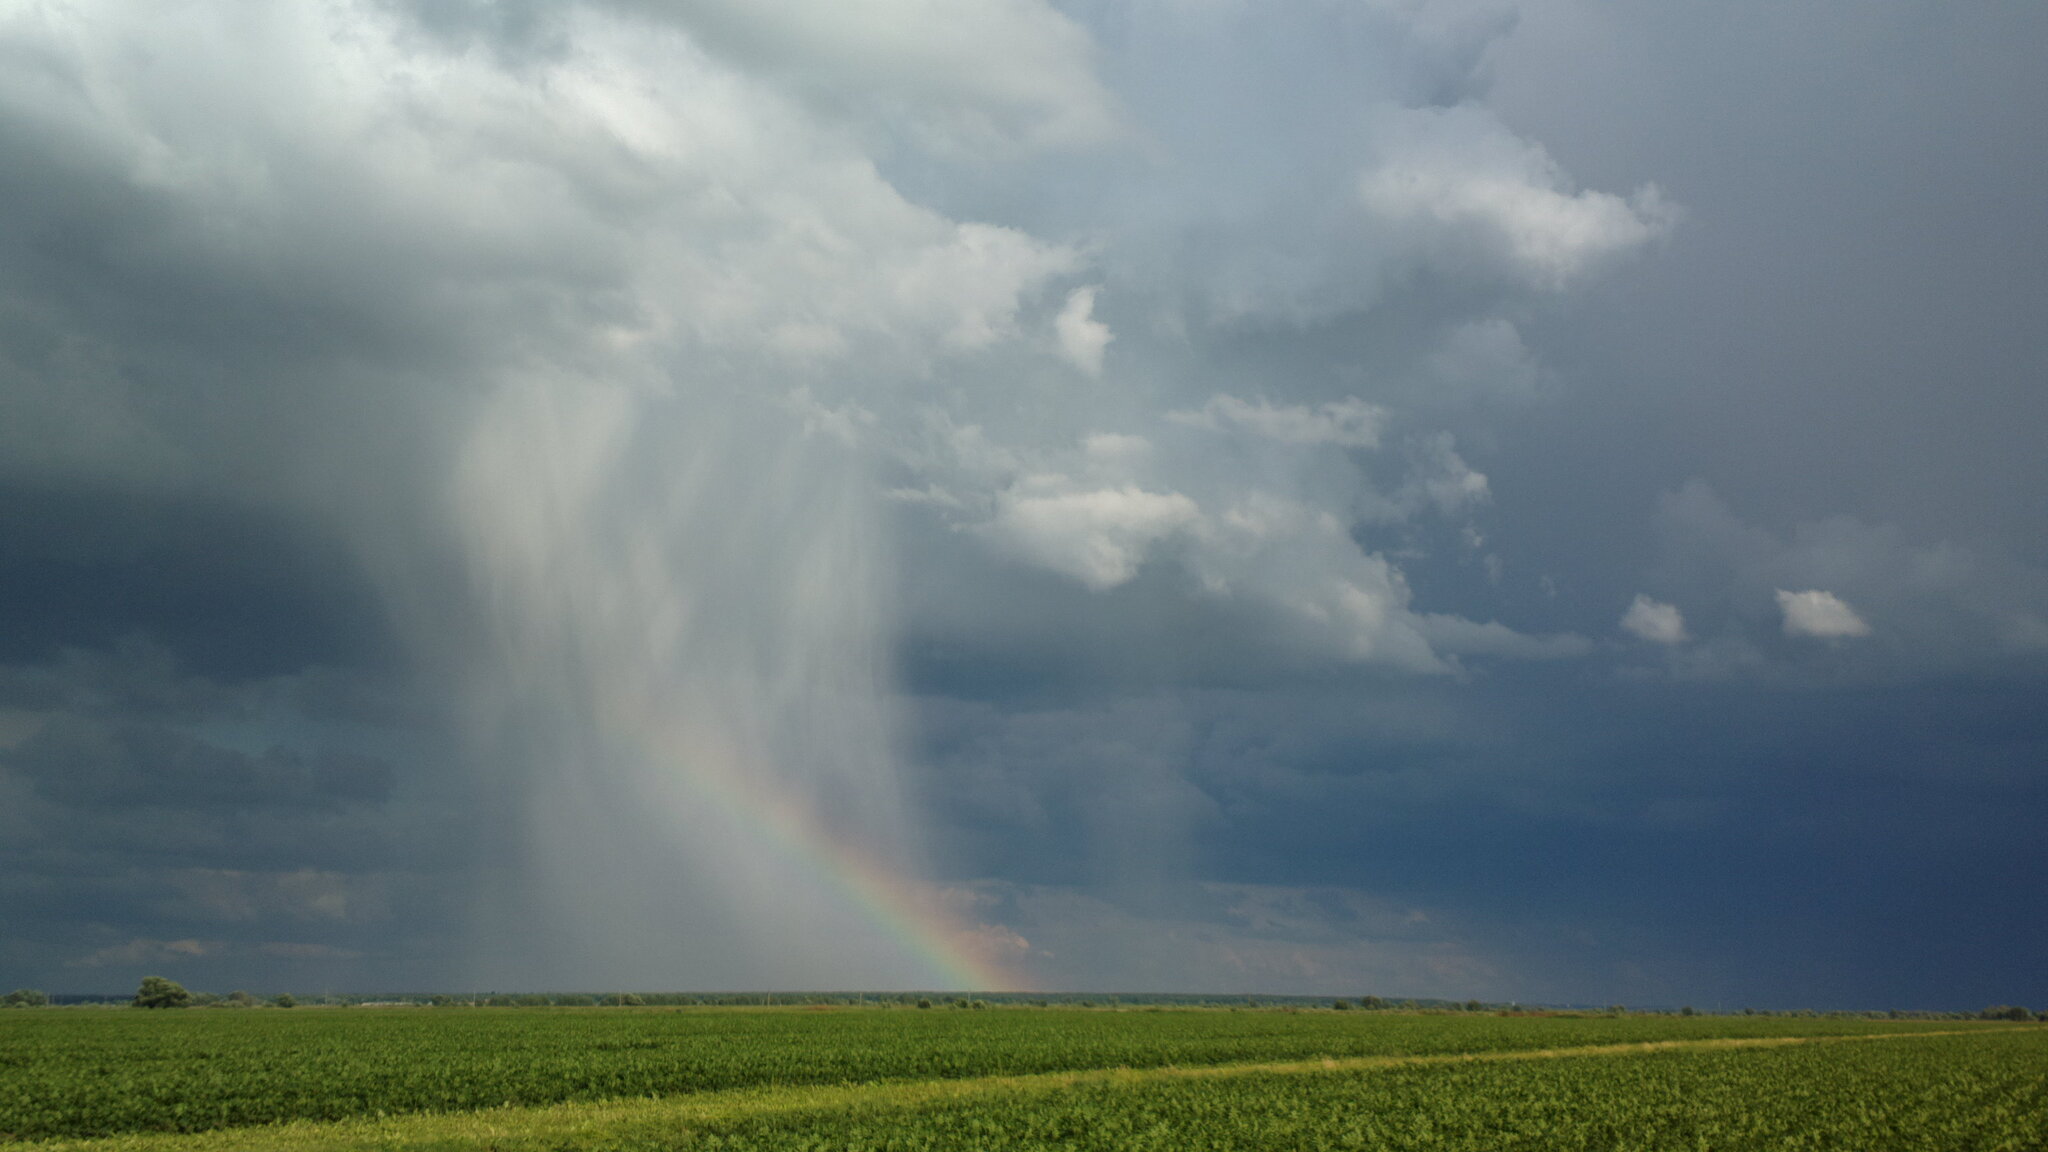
637, 1121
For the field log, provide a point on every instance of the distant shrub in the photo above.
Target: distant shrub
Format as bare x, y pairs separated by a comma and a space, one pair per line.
157, 992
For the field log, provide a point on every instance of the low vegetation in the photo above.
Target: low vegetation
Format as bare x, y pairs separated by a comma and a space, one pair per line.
85, 1074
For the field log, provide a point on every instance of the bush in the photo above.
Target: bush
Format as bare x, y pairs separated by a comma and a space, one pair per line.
24, 998
283, 1000
157, 992
923, 1002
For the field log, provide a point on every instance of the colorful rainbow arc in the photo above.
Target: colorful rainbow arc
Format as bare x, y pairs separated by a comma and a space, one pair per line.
863, 882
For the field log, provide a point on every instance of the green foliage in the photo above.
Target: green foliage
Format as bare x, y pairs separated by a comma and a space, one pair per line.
1341, 1005
1971, 1092
284, 1000
24, 998
157, 992
77, 1074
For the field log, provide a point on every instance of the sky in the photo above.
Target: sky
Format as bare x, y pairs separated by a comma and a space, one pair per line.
1533, 501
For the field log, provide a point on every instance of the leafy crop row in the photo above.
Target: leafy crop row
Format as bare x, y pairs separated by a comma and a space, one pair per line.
1984, 1093
85, 1073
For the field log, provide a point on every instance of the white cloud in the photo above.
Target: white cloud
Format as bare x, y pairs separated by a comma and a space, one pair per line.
1655, 621
1346, 423
964, 69
1457, 636
1818, 613
1463, 174
1095, 535
1082, 337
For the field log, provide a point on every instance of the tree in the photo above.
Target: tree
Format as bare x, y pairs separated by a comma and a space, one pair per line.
157, 992
24, 998
284, 1000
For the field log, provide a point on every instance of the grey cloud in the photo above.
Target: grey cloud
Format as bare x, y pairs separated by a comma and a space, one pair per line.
1239, 938
400, 401
126, 764
1929, 609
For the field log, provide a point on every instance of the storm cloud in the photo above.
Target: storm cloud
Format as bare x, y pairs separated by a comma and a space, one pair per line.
1518, 500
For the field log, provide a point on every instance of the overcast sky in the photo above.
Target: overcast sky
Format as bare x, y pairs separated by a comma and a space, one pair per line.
1531, 501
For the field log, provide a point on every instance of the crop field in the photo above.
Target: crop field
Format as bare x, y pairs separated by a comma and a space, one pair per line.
1011, 1078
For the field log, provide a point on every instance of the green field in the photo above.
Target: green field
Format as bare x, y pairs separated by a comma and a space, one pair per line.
1009, 1078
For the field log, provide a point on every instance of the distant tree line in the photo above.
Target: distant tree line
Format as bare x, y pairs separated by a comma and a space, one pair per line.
159, 992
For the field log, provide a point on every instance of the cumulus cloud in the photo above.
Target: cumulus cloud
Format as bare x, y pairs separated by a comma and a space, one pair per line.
1456, 172
1943, 607
1082, 337
1655, 621
1819, 613
1006, 68
590, 338
1097, 536
1346, 423
1458, 636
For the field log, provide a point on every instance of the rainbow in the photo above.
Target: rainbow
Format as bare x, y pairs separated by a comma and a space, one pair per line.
788, 824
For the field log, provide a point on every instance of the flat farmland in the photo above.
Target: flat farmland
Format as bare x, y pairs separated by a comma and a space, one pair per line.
1014, 1077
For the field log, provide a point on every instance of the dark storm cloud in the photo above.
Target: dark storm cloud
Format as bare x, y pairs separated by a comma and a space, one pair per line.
1642, 840
1278, 411
131, 765
235, 591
